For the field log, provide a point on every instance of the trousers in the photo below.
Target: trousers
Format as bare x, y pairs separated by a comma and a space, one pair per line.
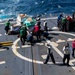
52, 58
66, 56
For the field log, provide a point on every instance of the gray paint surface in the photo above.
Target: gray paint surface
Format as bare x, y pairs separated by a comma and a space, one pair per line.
17, 66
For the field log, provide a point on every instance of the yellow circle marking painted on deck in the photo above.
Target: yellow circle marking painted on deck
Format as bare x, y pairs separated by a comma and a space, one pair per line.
14, 49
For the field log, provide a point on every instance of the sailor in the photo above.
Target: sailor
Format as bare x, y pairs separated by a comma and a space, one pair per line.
7, 26
64, 28
49, 54
67, 50
23, 34
45, 26
37, 31
73, 47
70, 22
59, 21
39, 23
30, 37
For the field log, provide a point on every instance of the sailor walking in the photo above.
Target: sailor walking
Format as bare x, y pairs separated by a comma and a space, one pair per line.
50, 54
66, 49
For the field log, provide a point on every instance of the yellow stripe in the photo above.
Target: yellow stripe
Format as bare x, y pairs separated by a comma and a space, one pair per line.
6, 42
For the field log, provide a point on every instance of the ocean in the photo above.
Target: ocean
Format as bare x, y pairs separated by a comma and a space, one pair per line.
11, 8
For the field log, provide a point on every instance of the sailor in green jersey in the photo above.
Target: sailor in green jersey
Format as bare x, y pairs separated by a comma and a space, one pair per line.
7, 26
23, 34
64, 28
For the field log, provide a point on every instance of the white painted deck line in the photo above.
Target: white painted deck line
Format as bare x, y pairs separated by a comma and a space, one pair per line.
0, 34
59, 41
25, 46
40, 43
49, 18
55, 28
2, 50
2, 62
44, 56
70, 39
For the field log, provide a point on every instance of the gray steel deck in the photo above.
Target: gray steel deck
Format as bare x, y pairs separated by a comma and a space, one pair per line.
18, 61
